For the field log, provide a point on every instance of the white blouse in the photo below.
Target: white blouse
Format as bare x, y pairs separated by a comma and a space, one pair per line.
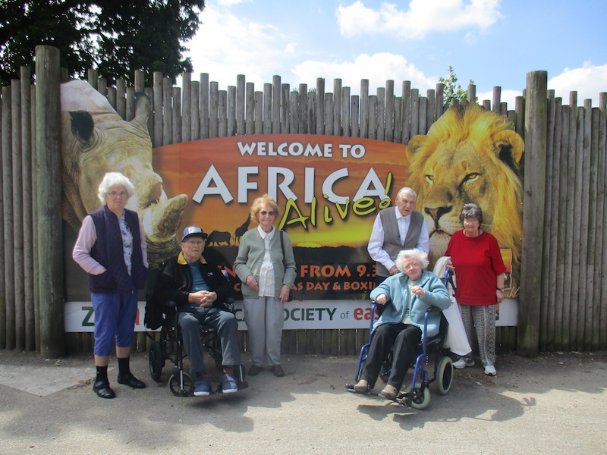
266, 272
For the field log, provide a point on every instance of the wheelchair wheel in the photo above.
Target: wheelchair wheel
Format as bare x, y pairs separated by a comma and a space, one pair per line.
421, 400
181, 384
155, 360
444, 375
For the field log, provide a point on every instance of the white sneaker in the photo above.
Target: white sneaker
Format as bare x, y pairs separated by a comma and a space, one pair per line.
490, 370
463, 362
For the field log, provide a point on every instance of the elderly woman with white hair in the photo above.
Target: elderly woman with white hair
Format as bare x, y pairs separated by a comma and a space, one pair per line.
405, 298
111, 248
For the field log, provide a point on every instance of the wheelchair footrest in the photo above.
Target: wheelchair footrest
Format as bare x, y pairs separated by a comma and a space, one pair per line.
405, 398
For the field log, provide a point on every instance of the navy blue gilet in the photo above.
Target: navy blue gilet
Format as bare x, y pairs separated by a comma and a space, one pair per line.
107, 250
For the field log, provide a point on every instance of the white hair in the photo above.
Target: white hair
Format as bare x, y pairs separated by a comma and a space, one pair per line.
406, 190
419, 255
111, 179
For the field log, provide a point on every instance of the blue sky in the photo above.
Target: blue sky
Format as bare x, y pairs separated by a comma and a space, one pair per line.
492, 42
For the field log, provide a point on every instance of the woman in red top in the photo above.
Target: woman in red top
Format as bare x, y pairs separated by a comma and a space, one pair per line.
479, 270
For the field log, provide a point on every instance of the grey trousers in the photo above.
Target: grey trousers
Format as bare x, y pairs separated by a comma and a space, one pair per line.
265, 318
223, 322
481, 319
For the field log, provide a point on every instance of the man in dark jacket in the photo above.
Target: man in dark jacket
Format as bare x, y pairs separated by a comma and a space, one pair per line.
199, 290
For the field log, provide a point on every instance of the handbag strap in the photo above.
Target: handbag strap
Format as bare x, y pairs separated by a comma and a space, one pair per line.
282, 247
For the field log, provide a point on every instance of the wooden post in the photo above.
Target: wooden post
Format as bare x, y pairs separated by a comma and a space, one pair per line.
17, 221
194, 111
27, 191
5, 154
241, 105
8, 296
157, 87
48, 179
534, 189
186, 102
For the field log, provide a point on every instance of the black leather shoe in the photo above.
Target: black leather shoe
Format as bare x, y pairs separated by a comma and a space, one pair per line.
103, 389
277, 370
131, 381
254, 370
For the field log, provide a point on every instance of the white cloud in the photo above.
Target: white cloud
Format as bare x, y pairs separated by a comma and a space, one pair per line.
377, 68
422, 17
588, 81
227, 45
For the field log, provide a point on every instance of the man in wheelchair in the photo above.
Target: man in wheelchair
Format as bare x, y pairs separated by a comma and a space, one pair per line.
199, 290
403, 299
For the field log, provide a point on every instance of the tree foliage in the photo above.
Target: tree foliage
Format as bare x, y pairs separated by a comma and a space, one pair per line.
115, 37
453, 92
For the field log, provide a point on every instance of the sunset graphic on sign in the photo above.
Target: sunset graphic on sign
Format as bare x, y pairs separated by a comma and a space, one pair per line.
329, 189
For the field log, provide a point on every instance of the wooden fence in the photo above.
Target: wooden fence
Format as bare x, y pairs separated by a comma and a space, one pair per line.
563, 303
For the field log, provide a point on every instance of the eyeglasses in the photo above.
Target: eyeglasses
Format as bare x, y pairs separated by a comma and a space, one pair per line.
264, 213
117, 193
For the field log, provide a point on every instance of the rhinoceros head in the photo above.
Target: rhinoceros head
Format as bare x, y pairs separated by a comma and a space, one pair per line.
97, 140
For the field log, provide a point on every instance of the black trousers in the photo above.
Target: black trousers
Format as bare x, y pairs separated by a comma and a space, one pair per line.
402, 339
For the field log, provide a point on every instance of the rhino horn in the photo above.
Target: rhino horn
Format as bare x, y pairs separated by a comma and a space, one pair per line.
160, 222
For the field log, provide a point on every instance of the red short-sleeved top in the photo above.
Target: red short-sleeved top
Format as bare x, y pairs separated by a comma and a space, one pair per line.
477, 262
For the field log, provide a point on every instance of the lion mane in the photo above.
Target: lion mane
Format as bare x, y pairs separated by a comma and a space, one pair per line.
469, 155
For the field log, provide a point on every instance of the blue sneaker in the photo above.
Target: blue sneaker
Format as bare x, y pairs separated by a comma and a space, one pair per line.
202, 388
229, 384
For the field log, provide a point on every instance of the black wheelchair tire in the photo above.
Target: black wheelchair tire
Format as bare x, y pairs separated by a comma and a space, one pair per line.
179, 390
444, 375
422, 401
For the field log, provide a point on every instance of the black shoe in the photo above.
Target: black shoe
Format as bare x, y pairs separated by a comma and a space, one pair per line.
131, 381
277, 370
103, 390
254, 370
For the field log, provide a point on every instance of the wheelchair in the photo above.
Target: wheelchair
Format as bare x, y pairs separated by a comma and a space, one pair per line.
432, 365
169, 347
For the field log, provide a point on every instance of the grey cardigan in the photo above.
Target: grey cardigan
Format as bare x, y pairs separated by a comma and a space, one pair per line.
250, 257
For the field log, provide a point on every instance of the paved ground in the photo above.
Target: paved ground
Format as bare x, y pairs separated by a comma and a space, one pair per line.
549, 404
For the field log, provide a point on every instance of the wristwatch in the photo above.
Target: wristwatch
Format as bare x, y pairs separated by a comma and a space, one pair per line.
499, 289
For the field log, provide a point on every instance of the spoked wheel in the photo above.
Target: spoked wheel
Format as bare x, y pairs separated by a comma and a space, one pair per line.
444, 375
155, 360
420, 400
181, 384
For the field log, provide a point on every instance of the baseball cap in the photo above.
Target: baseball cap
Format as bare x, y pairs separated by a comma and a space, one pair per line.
193, 231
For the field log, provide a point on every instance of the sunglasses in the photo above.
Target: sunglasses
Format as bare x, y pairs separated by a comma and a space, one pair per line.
264, 213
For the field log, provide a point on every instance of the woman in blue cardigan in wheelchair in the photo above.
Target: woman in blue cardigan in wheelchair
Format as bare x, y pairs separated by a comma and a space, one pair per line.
403, 300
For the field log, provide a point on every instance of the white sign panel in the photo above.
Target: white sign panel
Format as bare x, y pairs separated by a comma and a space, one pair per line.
309, 314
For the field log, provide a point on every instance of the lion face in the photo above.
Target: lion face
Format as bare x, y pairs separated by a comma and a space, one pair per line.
468, 156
